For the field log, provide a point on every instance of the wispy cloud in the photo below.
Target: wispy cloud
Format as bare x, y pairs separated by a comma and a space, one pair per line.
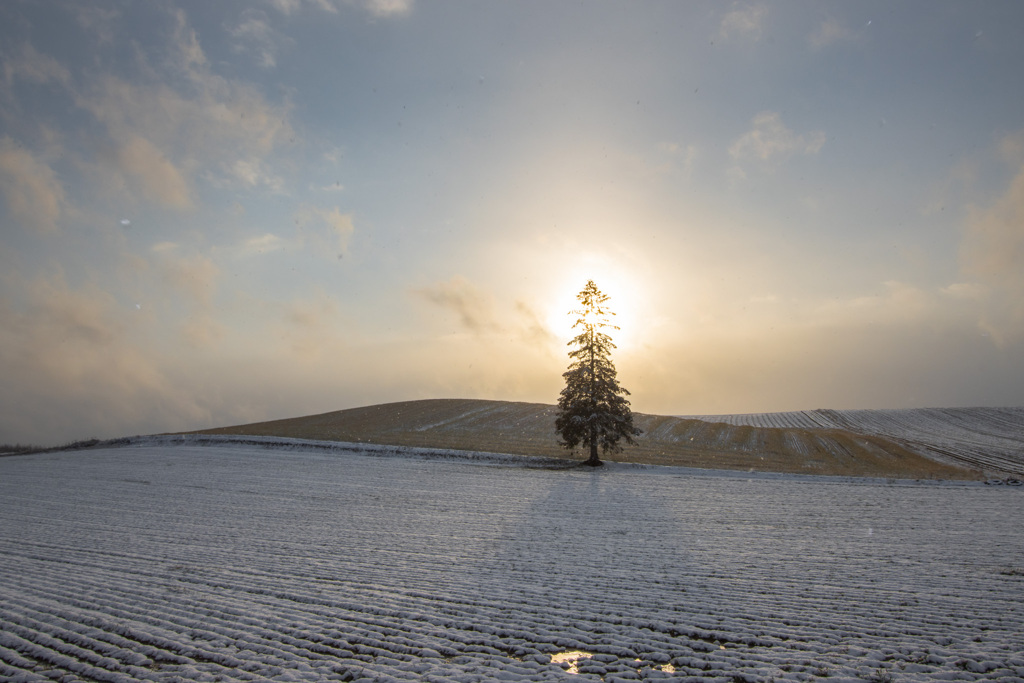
148, 170
251, 173
743, 22
253, 34
992, 251
70, 351
196, 276
388, 8
480, 315
202, 330
328, 230
770, 140
682, 157
830, 32
30, 65
99, 21
310, 328
1011, 148
33, 194
377, 8
188, 284
285, 6
534, 331
960, 182
165, 136
325, 5
264, 244
340, 225
474, 308
966, 291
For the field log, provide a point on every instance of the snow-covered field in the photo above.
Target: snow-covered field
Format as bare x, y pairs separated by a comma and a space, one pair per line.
237, 562
987, 438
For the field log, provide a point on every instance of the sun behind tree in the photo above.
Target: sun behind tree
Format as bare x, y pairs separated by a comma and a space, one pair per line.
592, 408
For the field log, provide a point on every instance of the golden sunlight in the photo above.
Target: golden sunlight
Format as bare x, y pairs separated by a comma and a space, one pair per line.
624, 294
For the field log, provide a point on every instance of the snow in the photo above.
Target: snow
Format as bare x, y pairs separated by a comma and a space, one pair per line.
987, 438
201, 559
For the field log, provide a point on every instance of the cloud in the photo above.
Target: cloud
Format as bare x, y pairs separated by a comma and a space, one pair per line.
966, 291
263, 244
377, 8
771, 140
325, 5
252, 173
149, 171
186, 43
959, 182
830, 32
201, 331
175, 122
388, 8
1011, 148
474, 307
163, 247
898, 303
187, 284
744, 22
202, 124
286, 6
901, 345
196, 275
882, 366
30, 65
254, 35
341, 225
31, 191
311, 329
992, 251
476, 311
673, 157
340, 228
69, 354
534, 330
98, 20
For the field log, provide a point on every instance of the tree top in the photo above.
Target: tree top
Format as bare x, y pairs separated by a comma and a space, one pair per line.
593, 314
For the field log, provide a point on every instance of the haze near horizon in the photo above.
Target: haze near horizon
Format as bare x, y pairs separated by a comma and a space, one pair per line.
221, 213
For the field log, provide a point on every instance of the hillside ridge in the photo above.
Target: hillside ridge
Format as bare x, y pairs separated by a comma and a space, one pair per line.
917, 444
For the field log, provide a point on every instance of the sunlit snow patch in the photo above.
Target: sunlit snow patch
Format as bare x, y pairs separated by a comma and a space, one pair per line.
667, 668
571, 657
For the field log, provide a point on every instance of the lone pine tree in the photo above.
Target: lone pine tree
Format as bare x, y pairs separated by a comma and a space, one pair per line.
592, 408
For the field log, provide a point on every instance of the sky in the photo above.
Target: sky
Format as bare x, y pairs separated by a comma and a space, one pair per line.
219, 213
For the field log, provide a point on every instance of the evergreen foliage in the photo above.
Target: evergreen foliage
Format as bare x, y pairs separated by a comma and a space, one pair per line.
592, 408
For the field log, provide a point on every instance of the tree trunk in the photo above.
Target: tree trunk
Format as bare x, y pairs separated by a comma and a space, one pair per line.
593, 461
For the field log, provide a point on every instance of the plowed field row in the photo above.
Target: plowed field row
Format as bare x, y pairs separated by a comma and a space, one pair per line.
986, 438
169, 563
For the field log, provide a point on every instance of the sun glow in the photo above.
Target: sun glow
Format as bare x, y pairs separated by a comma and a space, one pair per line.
624, 297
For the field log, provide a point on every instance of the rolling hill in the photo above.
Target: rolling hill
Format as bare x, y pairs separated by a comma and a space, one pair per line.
916, 444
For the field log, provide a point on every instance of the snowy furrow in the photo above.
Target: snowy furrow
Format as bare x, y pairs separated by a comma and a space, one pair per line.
987, 438
193, 563
475, 412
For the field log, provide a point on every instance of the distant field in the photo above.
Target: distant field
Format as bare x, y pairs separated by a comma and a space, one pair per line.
852, 443
985, 438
